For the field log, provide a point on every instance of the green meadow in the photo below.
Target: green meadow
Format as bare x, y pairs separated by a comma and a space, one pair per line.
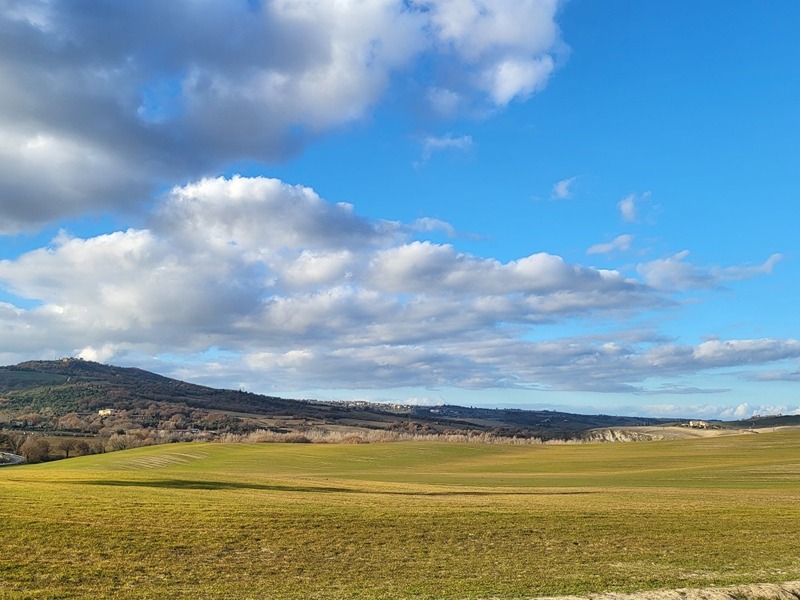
402, 520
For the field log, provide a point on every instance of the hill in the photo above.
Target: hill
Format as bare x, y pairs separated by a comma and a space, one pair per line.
39, 393
120, 407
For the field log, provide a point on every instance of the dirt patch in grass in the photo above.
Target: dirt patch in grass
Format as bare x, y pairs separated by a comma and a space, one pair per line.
789, 590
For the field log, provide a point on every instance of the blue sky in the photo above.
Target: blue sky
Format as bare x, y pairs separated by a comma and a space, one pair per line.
572, 205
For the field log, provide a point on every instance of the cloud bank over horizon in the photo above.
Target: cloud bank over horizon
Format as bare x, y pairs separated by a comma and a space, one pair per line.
307, 293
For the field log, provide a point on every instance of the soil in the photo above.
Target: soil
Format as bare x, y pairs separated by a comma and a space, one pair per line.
789, 590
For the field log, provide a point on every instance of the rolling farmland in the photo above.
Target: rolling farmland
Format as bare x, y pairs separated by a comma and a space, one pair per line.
402, 520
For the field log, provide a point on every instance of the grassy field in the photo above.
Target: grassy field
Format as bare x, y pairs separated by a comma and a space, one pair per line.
402, 520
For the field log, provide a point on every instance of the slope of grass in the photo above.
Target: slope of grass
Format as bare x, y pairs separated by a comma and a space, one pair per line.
405, 520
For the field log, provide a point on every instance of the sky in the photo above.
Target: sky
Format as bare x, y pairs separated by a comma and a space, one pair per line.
576, 205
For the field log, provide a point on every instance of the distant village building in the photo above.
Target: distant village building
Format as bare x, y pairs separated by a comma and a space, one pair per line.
699, 424
104, 412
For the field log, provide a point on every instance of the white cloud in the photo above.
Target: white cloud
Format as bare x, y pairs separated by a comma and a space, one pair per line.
314, 269
42, 173
307, 294
674, 273
740, 272
262, 215
432, 144
562, 190
742, 411
93, 121
423, 266
424, 401
777, 375
477, 28
621, 243
721, 353
427, 224
510, 43
101, 354
746, 411
629, 206
444, 102
514, 78
253, 256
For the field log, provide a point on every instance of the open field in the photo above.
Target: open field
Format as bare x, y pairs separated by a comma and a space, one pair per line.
402, 520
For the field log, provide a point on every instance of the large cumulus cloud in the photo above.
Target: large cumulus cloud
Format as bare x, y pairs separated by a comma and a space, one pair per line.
102, 102
303, 293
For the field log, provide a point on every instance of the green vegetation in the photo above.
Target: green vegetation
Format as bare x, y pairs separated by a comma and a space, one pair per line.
18, 379
37, 394
402, 520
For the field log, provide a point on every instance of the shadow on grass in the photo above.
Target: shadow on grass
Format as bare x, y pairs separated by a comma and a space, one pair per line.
492, 493
187, 484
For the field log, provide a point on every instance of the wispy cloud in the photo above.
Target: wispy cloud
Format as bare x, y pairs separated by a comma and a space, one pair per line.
777, 375
675, 273
562, 190
621, 243
629, 206
432, 144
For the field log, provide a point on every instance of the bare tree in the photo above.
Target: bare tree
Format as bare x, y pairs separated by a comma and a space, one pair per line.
82, 448
67, 445
73, 422
35, 449
14, 441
